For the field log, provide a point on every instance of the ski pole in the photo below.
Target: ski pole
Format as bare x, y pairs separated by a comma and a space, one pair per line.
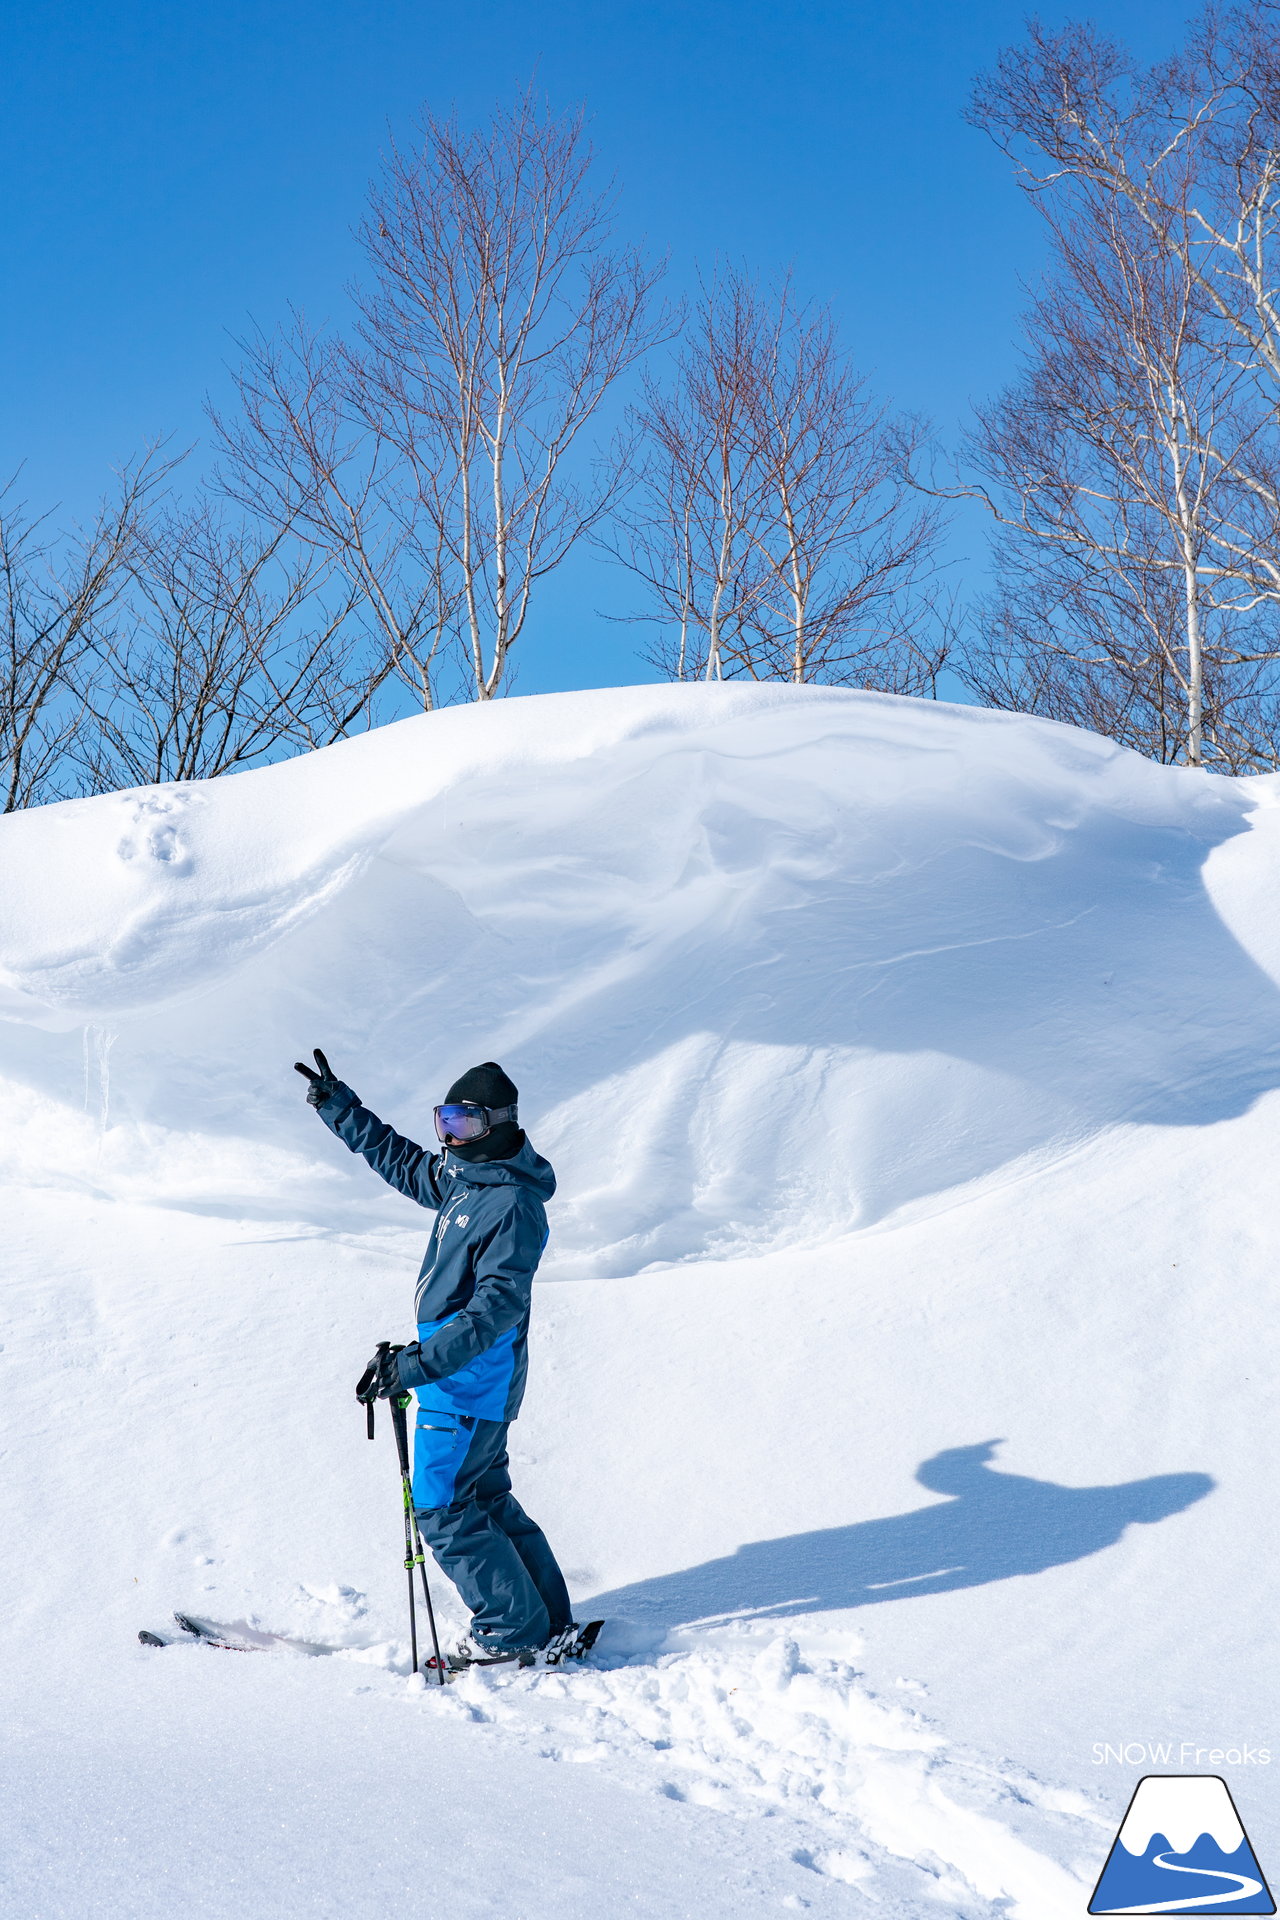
367, 1393
413, 1554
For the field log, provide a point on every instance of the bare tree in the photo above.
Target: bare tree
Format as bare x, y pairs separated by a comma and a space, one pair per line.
499, 317
307, 455
692, 532
851, 552
1141, 441
229, 654
1076, 646
1111, 466
436, 456
774, 523
56, 595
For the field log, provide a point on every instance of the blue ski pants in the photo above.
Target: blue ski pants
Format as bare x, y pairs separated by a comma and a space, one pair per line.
480, 1535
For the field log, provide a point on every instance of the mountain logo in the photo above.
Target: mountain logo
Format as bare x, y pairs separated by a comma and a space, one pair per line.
1181, 1848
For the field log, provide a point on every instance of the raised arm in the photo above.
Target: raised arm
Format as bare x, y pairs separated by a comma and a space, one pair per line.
402, 1163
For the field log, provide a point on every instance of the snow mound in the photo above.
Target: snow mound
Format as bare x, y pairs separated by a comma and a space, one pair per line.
769, 964
912, 1077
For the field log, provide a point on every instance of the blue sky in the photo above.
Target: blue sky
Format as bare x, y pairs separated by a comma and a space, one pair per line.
172, 173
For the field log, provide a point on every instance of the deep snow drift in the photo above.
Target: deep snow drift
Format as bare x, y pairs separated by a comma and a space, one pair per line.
898, 1372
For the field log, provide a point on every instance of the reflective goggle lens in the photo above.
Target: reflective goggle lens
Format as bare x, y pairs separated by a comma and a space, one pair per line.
462, 1122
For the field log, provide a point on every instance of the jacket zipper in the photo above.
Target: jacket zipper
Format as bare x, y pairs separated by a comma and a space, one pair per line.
442, 1224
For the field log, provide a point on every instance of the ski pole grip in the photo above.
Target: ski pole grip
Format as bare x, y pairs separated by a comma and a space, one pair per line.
382, 1354
367, 1385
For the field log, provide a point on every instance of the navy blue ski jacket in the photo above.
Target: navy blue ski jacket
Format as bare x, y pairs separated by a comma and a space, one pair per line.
476, 1283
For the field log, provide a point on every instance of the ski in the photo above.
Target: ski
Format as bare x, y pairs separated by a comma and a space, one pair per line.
574, 1644
149, 1639
215, 1636
201, 1630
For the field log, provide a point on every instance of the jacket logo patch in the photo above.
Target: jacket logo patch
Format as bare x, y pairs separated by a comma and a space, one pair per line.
462, 1219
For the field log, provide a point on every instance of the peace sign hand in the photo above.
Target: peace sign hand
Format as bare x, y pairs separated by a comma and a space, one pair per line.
323, 1084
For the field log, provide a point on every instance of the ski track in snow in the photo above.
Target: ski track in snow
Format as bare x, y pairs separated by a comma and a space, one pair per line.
739, 1720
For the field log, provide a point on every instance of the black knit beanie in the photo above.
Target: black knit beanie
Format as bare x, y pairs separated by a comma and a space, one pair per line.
488, 1086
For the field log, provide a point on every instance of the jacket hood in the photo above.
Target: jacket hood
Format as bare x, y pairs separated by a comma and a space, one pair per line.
523, 1169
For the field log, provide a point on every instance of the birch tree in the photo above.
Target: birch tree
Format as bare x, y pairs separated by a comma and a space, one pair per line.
439, 454
499, 314
691, 535
1141, 442
849, 548
775, 526
1111, 466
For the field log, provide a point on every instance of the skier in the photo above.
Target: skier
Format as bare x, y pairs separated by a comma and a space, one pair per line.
468, 1363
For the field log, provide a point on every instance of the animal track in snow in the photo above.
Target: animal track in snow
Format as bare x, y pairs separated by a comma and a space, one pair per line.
153, 833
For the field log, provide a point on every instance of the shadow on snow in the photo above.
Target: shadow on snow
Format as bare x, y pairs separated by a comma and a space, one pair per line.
992, 1527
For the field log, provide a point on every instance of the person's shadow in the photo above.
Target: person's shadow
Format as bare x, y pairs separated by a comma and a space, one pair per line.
993, 1526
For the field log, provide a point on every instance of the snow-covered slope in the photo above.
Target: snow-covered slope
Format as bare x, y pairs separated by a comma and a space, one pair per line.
910, 1072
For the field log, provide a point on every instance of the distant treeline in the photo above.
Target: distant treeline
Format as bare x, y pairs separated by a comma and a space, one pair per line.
386, 501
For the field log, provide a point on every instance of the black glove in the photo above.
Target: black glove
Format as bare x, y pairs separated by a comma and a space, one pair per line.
381, 1378
387, 1367
323, 1084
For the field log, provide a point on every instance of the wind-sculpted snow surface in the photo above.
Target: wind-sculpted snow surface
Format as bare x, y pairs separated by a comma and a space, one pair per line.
899, 1382
816, 956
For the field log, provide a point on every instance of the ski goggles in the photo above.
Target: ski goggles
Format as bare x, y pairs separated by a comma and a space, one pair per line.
463, 1120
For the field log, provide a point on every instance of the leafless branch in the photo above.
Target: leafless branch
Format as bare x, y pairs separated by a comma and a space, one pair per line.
303, 454
436, 457
231, 654
57, 596
774, 527
499, 316
1138, 452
